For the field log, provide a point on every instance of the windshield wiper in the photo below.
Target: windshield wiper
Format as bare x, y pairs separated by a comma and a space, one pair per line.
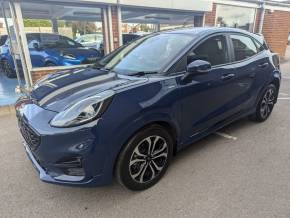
142, 73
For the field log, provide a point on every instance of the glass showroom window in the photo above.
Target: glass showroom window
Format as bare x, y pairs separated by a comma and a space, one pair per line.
238, 17
62, 35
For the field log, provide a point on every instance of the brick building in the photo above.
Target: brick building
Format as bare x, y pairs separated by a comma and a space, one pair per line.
270, 18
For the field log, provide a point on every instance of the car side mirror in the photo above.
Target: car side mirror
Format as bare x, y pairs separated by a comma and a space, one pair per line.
197, 67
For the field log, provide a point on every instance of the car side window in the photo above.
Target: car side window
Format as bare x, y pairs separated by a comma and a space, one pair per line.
259, 46
214, 50
244, 47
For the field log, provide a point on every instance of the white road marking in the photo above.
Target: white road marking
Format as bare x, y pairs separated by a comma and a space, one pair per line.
283, 98
283, 94
285, 77
227, 136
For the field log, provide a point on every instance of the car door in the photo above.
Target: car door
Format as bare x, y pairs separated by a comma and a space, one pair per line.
204, 100
36, 55
249, 64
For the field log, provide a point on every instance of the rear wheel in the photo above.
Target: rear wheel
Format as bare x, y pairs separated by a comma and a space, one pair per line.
266, 104
145, 158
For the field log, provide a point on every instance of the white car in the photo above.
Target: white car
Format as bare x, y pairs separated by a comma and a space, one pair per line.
93, 40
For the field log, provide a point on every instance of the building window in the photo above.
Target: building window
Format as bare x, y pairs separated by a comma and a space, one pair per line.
237, 17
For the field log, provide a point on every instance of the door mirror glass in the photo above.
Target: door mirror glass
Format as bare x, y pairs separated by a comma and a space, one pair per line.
196, 67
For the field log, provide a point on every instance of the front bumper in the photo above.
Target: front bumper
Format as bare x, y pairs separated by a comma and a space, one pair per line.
71, 156
44, 176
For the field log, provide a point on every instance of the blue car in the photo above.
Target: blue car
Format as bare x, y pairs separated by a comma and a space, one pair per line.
50, 50
130, 113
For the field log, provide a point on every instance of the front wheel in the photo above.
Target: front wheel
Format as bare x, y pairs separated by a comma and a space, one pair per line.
266, 104
145, 158
9, 72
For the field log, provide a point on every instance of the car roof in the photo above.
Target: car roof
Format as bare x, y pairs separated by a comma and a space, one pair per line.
43, 34
204, 31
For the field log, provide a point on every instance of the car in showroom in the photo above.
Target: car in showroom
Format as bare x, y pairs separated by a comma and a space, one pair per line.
92, 40
141, 104
3, 39
47, 49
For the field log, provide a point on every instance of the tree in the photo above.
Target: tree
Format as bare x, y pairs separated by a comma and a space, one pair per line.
36, 23
83, 27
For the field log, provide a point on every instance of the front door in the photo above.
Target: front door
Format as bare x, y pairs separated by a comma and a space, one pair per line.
204, 100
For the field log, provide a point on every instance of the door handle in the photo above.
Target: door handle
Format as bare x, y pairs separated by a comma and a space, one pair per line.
228, 76
264, 65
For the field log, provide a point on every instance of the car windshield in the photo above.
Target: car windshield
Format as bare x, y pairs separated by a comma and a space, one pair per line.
90, 38
148, 54
57, 41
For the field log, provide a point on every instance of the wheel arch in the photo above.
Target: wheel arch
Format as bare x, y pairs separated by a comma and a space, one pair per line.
169, 127
276, 81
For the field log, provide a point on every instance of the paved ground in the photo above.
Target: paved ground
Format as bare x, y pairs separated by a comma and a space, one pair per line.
217, 177
7, 90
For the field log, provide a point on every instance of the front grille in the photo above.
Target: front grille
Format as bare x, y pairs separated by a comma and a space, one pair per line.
29, 135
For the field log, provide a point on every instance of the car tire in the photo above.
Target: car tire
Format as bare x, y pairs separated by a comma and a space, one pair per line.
145, 158
266, 104
9, 72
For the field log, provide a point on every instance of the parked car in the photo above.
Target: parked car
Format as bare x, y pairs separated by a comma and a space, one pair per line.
50, 50
128, 115
126, 38
91, 40
3, 39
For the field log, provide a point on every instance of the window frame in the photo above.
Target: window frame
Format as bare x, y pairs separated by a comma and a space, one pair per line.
172, 69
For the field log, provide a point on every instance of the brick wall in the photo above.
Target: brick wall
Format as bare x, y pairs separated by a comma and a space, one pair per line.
210, 17
38, 74
276, 29
115, 26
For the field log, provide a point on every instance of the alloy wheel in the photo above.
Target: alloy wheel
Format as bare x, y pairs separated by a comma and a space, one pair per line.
148, 159
267, 103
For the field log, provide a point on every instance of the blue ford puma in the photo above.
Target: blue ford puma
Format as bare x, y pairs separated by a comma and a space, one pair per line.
130, 113
47, 49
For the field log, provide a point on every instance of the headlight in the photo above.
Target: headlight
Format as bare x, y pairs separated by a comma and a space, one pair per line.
84, 111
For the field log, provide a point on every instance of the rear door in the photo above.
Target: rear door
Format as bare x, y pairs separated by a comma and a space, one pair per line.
249, 63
